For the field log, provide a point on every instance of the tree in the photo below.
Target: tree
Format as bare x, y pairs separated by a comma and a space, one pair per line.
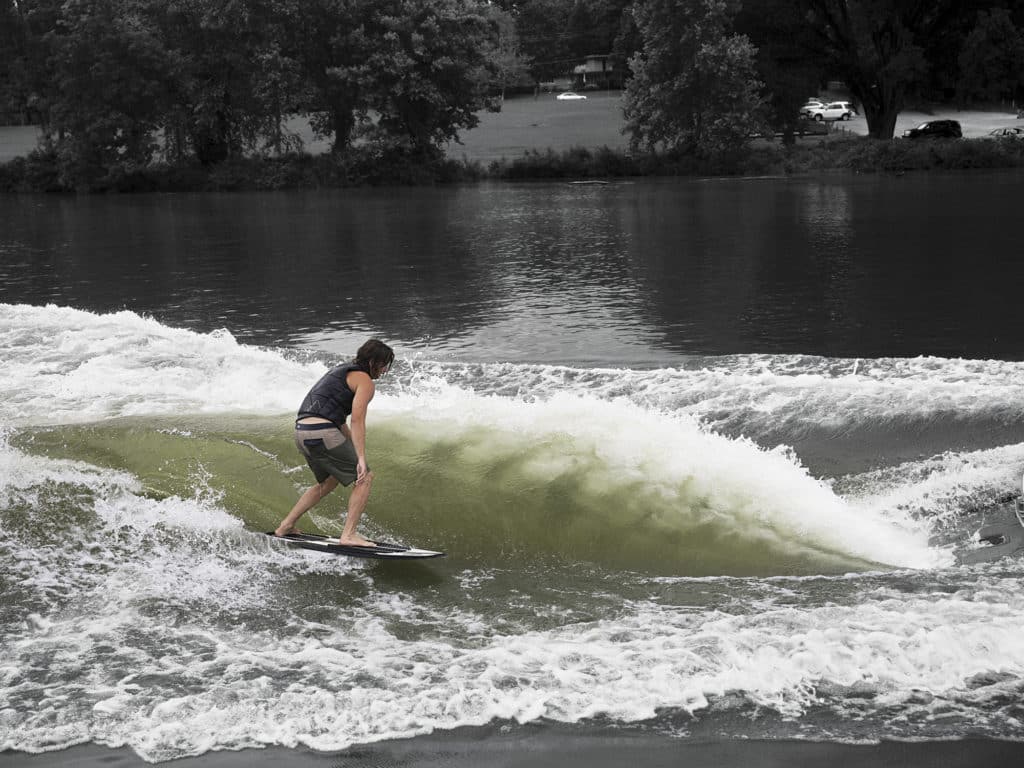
406, 73
992, 59
332, 41
430, 72
109, 90
877, 48
26, 28
555, 35
510, 66
541, 25
206, 77
784, 60
694, 86
12, 55
583, 34
626, 42
230, 78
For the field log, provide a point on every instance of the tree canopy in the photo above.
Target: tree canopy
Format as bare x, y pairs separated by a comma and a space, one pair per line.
694, 85
117, 83
114, 82
992, 59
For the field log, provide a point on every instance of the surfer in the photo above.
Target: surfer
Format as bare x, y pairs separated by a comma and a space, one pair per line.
334, 451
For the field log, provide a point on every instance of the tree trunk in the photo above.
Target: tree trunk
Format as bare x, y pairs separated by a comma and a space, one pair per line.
881, 121
881, 103
211, 143
277, 129
343, 121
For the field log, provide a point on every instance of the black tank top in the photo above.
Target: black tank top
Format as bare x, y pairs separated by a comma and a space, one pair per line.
330, 398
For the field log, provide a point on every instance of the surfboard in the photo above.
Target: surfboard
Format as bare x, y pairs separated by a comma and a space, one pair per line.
382, 551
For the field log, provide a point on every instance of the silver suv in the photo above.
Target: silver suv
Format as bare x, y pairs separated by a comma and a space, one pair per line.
834, 110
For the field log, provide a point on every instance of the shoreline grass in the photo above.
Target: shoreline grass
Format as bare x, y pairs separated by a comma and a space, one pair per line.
39, 171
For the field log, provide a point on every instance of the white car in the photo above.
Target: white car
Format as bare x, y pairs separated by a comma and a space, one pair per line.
1013, 132
805, 110
570, 96
836, 110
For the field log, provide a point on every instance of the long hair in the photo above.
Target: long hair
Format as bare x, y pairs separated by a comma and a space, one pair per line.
375, 355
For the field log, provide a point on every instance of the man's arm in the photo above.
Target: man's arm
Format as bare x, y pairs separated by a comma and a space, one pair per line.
363, 387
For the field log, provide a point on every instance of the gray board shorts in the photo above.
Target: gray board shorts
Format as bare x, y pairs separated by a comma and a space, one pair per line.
327, 451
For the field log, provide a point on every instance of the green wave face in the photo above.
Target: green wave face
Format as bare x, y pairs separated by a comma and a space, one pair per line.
247, 471
480, 493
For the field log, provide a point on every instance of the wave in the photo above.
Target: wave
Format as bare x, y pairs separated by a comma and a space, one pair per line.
512, 481
738, 464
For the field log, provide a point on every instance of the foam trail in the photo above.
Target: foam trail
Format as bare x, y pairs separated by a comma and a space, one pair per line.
329, 685
65, 365
774, 393
940, 488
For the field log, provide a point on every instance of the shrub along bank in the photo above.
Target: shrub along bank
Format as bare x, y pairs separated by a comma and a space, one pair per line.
38, 171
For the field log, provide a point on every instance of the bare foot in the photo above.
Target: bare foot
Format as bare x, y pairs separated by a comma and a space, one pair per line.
293, 531
356, 541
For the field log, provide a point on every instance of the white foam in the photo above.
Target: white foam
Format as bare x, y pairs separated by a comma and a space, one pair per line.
938, 489
773, 393
63, 365
330, 687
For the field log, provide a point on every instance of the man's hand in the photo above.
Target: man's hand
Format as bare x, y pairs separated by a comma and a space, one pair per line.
360, 471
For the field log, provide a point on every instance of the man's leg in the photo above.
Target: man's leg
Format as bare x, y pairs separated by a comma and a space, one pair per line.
356, 505
306, 502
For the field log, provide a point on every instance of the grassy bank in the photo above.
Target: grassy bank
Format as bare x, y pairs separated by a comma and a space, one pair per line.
39, 172
840, 153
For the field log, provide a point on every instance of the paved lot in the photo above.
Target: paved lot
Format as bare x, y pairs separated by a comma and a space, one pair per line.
974, 124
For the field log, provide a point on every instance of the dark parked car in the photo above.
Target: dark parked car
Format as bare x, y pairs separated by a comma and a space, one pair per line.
935, 129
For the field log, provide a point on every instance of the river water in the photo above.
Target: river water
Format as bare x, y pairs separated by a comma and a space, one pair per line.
706, 457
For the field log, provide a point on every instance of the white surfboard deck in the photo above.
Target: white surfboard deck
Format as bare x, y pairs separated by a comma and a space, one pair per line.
382, 550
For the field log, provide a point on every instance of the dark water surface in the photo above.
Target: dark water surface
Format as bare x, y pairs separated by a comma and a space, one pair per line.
624, 273
708, 458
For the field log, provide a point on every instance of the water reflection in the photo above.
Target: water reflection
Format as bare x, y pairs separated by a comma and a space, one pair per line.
633, 273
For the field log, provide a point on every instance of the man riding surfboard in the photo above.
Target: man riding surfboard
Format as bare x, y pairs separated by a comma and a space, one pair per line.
334, 451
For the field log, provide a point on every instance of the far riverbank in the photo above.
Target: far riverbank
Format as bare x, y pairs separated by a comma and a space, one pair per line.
534, 138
